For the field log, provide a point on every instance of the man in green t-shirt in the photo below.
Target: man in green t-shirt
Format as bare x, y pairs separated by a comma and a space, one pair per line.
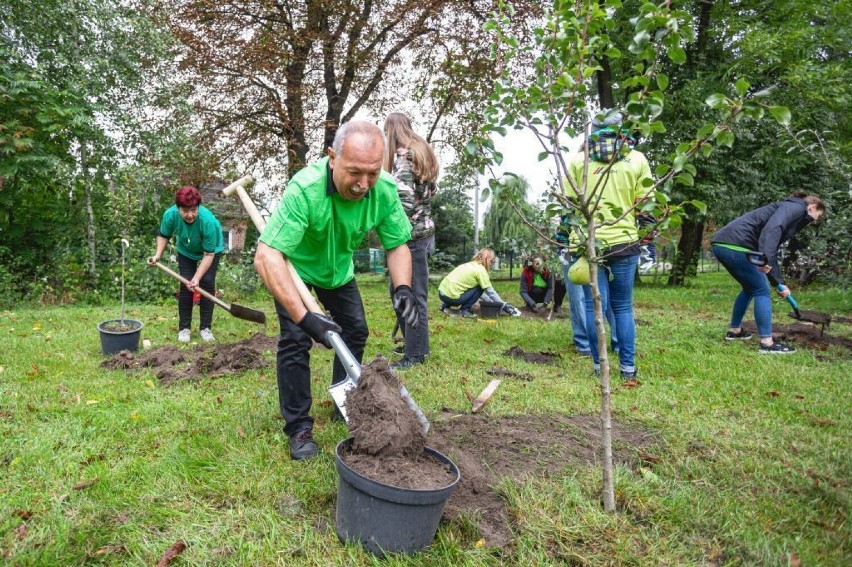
325, 213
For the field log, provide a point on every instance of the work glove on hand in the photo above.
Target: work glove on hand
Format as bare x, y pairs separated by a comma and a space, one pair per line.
316, 326
545, 305
404, 305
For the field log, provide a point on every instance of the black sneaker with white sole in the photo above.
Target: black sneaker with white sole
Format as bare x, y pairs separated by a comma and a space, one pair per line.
776, 348
743, 335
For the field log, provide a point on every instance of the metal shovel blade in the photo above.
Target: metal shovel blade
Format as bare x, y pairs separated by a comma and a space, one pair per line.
248, 313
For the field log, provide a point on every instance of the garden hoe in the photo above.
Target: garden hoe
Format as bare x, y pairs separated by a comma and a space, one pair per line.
824, 319
238, 311
339, 390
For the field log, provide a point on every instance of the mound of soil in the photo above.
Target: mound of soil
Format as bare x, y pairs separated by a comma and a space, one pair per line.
387, 438
502, 372
804, 334
169, 363
487, 449
543, 357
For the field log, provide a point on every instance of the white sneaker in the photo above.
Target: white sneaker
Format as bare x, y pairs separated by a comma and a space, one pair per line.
207, 335
183, 336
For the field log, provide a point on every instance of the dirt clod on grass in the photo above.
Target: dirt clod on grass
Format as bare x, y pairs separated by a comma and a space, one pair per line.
487, 449
805, 335
388, 440
503, 373
544, 357
170, 363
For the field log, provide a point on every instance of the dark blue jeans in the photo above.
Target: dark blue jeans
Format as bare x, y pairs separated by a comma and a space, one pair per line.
467, 300
615, 279
294, 345
754, 286
417, 338
187, 267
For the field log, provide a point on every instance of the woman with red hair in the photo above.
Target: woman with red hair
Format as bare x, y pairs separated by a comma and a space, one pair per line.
199, 243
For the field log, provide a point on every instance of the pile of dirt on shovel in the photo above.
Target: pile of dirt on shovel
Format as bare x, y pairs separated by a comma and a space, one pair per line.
170, 363
387, 438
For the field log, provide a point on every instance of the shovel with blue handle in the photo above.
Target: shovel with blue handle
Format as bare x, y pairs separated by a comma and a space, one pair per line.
759, 259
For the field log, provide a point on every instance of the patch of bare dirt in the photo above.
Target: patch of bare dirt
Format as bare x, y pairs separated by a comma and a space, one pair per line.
543, 357
487, 449
562, 313
170, 363
502, 372
804, 334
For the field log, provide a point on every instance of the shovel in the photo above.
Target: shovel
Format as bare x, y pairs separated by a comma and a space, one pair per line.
759, 259
238, 311
339, 390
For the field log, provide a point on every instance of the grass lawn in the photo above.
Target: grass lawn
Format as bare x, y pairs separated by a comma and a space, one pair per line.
107, 466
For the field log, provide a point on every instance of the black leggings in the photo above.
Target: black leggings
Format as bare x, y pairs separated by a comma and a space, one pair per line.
187, 267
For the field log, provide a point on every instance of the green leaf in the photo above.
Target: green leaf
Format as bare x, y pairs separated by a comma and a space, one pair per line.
613, 53
716, 100
662, 169
781, 114
742, 86
662, 81
677, 55
725, 138
543, 156
685, 179
705, 131
472, 148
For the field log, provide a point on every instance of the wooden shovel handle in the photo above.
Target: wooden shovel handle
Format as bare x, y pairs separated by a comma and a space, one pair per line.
260, 224
187, 283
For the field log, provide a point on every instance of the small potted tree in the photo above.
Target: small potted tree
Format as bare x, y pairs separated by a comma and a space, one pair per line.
120, 334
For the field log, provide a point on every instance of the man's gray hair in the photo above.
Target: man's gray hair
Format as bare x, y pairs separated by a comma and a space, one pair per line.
355, 127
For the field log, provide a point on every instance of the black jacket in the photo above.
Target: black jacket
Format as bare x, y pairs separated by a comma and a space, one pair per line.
766, 228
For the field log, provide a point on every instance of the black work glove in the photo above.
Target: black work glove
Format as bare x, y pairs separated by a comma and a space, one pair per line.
404, 305
316, 326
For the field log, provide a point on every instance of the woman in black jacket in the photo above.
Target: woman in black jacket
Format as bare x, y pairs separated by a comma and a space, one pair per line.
762, 230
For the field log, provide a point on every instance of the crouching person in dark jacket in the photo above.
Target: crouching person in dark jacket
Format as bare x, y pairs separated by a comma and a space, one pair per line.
760, 233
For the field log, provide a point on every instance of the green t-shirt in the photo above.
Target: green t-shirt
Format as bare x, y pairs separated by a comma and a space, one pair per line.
193, 240
538, 280
318, 230
621, 189
464, 277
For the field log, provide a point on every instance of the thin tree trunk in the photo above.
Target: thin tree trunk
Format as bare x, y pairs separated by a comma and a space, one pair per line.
90, 213
688, 249
606, 397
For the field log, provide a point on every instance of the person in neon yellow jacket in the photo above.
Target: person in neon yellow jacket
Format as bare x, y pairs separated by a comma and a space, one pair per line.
469, 283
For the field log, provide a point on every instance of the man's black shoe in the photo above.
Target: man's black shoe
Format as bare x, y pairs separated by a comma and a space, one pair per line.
399, 350
408, 362
302, 445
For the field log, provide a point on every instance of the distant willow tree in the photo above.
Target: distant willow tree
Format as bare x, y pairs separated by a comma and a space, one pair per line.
505, 228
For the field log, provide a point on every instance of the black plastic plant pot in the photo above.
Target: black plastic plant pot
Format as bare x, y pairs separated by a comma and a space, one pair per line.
384, 518
118, 335
490, 309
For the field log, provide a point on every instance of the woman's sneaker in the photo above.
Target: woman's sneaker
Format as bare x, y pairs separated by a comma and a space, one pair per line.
776, 348
183, 336
467, 314
743, 335
207, 335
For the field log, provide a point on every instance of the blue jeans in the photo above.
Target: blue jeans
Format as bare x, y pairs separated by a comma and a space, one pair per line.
577, 306
755, 286
417, 338
615, 279
467, 300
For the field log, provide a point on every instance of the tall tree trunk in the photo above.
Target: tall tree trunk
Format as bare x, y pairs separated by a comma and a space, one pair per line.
90, 212
604, 80
688, 250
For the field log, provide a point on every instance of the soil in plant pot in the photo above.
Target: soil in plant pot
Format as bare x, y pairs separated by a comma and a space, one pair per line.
388, 439
118, 327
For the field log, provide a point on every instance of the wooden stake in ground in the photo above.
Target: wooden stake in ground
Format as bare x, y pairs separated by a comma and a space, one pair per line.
483, 398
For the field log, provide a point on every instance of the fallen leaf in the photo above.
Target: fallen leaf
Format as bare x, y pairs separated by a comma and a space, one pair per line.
86, 483
630, 384
825, 422
176, 549
772, 394
21, 532
489, 341
218, 399
149, 383
109, 549
480, 544
240, 432
798, 397
24, 514
91, 402
794, 561
37, 326
649, 458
